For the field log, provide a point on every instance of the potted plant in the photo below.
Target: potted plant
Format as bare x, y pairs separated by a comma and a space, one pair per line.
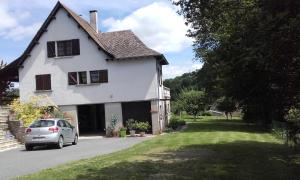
123, 131
112, 128
131, 126
142, 127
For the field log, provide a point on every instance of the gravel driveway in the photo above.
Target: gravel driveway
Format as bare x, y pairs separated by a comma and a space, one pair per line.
18, 162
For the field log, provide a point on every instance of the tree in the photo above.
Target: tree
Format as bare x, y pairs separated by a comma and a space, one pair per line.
185, 81
250, 49
226, 105
4, 84
192, 101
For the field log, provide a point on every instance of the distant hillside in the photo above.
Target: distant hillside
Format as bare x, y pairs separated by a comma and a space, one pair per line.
185, 81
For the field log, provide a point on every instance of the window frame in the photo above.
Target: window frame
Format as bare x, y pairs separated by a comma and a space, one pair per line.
91, 79
79, 78
70, 47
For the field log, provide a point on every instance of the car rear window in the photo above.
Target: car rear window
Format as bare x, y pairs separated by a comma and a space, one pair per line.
42, 123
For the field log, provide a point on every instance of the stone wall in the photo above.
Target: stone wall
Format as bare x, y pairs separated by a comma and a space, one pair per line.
16, 128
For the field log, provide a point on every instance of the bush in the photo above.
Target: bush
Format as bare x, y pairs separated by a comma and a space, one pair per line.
206, 113
35, 108
175, 122
130, 124
293, 126
142, 126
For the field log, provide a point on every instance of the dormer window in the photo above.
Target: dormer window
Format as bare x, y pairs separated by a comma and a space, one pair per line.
63, 48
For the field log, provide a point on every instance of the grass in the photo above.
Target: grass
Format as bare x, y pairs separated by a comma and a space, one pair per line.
209, 148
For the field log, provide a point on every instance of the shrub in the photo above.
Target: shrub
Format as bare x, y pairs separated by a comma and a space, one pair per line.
123, 129
206, 113
293, 125
32, 110
175, 122
130, 124
142, 126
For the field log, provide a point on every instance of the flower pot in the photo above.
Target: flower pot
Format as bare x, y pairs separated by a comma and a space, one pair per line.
142, 134
132, 133
123, 133
115, 133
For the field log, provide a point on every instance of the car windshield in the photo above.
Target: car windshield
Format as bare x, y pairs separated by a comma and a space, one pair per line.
42, 123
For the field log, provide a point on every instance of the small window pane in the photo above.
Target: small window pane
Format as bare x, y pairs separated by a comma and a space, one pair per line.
64, 48
82, 77
72, 78
95, 76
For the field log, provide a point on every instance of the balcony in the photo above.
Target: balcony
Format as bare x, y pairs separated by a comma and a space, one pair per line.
166, 93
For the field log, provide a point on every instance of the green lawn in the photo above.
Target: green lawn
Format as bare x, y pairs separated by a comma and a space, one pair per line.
208, 149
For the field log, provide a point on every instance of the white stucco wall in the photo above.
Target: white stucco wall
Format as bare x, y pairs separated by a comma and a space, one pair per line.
113, 110
128, 80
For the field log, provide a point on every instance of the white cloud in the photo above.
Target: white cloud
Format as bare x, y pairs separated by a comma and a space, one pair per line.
7, 21
20, 32
172, 71
11, 24
158, 25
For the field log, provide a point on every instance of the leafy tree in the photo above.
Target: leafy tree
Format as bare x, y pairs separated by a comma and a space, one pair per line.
250, 52
193, 101
227, 105
4, 84
177, 84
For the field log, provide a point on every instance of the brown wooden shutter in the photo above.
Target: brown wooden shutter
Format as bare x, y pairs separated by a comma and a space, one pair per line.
72, 78
43, 82
75, 47
38, 82
51, 49
47, 81
103, 76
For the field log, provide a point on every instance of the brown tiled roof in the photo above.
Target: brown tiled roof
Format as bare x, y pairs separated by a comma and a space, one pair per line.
117, 45
125, 44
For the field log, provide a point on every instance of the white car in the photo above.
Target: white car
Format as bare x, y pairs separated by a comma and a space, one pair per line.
56, 132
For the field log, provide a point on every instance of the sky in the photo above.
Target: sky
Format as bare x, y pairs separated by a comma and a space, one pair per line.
155, 22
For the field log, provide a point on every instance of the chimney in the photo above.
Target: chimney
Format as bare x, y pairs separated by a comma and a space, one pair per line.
94, 19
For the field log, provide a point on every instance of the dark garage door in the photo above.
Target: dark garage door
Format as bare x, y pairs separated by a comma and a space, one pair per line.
139, 111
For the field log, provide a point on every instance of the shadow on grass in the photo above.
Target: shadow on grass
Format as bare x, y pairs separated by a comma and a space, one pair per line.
236, 160
224, 125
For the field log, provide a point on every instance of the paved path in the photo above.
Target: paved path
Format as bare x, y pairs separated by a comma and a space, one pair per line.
18, 162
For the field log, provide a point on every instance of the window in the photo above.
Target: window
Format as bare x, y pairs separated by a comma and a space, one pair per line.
63, 48
103, 76
72, 78
82, 77
99, 76
95, 76
43, 82
42, 123
61, 123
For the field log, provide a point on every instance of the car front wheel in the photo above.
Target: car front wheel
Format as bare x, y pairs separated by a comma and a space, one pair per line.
60, 143
75, 140
28, 147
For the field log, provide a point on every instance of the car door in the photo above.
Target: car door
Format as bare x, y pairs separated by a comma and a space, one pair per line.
69, 131
64, 131
72, 131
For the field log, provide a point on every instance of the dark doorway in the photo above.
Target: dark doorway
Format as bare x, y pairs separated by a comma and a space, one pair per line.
91, 119
139, 111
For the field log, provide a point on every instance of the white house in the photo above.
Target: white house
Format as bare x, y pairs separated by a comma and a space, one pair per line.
92, 75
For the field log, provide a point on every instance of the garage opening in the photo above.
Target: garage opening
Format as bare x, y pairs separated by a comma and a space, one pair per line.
91, 119
139, 111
